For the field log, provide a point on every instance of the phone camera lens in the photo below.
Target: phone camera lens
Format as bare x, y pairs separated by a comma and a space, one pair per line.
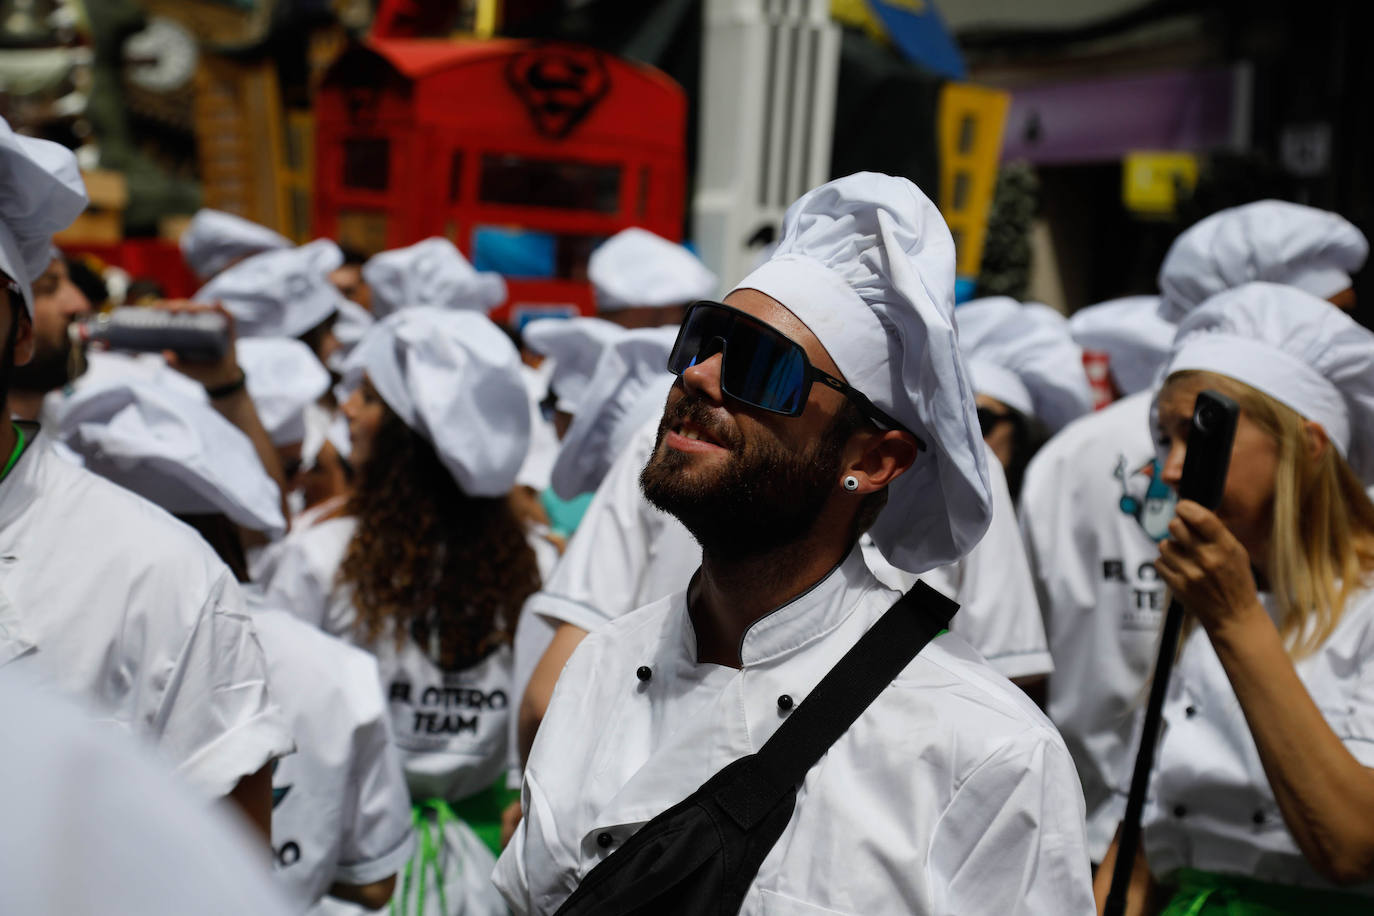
1205, 419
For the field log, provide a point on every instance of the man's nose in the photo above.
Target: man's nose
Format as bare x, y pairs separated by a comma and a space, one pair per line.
703, 378
1172, 472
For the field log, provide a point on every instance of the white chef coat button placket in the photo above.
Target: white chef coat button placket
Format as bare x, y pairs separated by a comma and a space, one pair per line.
604, 839
1190, 711
784, 704
644, 673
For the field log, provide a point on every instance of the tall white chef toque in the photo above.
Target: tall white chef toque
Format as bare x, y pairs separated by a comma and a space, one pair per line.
430, 273
175, 451
635, 267
284, 378
574, 345
279, 293
41, 193
628, 387
454, 378
1298, 349
214, 240
1026, 361
867, 263
1270, 240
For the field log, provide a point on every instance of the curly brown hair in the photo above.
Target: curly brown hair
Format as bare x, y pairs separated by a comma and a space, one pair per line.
445, 569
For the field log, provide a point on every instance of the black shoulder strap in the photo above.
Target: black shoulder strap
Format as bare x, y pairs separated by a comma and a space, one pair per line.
853, 684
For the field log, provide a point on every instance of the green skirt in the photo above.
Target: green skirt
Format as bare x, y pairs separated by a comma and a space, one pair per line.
1201, 893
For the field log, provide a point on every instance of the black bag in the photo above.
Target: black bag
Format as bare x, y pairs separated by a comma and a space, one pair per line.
701, 855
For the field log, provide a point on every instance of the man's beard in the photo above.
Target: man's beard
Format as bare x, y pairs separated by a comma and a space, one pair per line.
7, 356
764, 497
48, 370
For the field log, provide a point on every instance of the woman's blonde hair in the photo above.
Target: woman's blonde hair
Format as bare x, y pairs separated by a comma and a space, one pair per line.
1321, 543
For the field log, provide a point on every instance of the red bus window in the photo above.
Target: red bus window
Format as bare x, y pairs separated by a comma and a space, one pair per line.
455, 177
531, 182
367, 163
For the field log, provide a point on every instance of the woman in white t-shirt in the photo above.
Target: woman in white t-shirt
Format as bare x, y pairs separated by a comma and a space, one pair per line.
1262, 796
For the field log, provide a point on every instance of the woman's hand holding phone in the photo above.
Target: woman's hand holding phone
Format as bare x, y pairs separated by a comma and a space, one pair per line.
1208, 570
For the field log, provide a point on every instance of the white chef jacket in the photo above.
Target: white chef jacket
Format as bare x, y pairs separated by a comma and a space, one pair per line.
108, 599
340, 808
626, 554
298, 575
1087, 496
1209, 804
93, 824
952, 793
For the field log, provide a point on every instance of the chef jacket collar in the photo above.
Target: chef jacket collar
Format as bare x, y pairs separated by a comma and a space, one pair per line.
23, 485
803, 619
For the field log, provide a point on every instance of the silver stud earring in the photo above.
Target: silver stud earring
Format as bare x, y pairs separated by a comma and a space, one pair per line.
851, 483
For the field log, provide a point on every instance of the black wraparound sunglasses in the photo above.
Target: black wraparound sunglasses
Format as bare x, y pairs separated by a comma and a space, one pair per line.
760, 366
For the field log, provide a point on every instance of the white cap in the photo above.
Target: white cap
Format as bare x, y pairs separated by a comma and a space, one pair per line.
454, 378
628, 387
284, 378
172, 450
279, 293
1024, 359
635, 267
214, 239
574, 345
1132, 335
1270, 240
41, 193
1298, 349
432, 273
352, 323
867, 263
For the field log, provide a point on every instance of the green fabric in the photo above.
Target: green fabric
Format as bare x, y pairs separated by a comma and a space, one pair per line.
431, 836
20, 442
1201, 893
565, 514
482, 812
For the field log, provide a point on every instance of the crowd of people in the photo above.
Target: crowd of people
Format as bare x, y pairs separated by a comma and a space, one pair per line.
388, 605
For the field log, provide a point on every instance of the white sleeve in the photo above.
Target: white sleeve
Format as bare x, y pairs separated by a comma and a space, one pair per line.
378, 839
1012, 840
999, 614
217, 722
597, 580
294, 586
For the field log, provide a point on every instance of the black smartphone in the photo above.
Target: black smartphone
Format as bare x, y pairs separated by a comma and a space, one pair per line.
1210, 436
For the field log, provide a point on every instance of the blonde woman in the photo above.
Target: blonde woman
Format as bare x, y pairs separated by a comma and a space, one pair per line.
1262, 797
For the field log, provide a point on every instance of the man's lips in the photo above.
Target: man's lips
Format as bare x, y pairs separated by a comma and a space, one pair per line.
687, 437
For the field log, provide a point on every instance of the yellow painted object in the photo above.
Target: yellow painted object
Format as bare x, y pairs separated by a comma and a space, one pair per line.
103, 221
1151, 182
970, 126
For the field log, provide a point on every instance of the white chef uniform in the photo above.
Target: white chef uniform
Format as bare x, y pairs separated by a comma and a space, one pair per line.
973, 829
1091, 506
94, 824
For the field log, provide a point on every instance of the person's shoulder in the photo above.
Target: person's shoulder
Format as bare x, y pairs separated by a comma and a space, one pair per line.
638, 630
306, 659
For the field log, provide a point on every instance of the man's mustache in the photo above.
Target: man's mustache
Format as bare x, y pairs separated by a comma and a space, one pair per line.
705, 417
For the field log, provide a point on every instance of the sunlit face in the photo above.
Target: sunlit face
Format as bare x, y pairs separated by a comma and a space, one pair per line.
365, 411
348, 280
1247, 500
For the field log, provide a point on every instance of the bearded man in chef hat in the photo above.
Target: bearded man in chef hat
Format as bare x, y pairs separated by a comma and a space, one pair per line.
826, 395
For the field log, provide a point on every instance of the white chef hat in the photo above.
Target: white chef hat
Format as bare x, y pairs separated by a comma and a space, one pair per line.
279, 293
1298, 349
1129, 330
172, 450
41, 193
629, 385
214, 239
867, 263
321, 426
353, 322
433, 272
454, 378
1024, 358
1270, 240
635, 267
574, 345
284, 377
538, 466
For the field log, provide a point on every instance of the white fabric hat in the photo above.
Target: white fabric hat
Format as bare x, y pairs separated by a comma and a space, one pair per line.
629, 386
353, 322
454, 378
284, 377
574, 345
41, 193
172, 450
538, 467
1129, 330
1024, 359
867, 263
1271, 240
214, 239
434, 273
635, 267
1298, 349
279, 293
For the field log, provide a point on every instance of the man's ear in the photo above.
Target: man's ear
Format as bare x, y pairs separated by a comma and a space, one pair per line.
880, 458
23, 335
1316, 439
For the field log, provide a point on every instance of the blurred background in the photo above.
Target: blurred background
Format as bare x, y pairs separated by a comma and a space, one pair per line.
1066, 141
